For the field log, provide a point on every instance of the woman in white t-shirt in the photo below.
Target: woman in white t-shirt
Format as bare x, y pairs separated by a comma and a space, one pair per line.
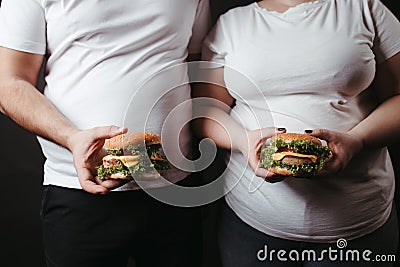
330, 68
104, 62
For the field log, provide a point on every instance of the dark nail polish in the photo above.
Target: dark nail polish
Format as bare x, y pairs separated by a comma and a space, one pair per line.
281, 129
308, 131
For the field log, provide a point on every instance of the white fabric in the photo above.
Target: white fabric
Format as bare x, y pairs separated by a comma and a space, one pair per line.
307, 68
100, 55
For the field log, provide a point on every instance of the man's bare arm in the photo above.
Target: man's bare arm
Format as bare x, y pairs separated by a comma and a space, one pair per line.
23, 103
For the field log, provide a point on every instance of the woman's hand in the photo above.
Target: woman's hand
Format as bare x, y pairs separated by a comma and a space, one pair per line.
87, 150
344, 147
255, 142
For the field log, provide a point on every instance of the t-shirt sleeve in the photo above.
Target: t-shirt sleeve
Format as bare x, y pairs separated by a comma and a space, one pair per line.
387, 31
23, 26
216, 45
200, 27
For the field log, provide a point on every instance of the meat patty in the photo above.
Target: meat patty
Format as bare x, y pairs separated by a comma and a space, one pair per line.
296, 161
110, 162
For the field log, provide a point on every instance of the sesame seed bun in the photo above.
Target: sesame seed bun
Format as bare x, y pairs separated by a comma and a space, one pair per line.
288, 137
133, 138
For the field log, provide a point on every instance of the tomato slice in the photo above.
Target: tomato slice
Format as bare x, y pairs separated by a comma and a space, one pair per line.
285, 149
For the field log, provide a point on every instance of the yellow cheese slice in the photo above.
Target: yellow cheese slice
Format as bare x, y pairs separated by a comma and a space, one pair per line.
281, 155
129, 161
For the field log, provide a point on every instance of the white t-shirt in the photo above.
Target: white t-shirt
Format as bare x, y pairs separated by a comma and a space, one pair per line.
307, 68
100, 53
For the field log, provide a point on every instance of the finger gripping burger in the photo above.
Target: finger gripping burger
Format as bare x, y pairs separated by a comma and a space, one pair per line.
294, 154
133, 153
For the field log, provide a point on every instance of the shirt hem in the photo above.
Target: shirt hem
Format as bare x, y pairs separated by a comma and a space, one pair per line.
317, 238
24, 46
389, 53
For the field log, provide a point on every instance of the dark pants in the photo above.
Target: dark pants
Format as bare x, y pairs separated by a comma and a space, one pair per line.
243, 246
84, 230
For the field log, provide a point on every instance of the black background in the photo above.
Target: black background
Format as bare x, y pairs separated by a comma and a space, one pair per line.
21, 163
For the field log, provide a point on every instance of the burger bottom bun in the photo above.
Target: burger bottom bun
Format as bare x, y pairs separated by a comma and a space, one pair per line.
119, 176
143, 176
280, 171
286, 172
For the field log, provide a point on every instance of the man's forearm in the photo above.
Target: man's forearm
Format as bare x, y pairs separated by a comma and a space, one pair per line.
24, 104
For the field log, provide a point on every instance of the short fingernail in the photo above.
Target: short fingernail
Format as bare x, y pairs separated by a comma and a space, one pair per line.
308, 131
281, 129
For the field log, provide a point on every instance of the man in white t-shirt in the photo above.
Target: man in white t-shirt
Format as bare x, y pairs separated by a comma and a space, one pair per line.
99, 56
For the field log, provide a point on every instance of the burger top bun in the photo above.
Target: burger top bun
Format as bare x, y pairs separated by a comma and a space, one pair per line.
288, 137
134, 138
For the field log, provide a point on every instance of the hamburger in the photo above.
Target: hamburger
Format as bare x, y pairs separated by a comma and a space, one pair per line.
132, 154
293, 154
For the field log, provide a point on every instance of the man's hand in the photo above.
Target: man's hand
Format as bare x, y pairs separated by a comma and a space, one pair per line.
87, 150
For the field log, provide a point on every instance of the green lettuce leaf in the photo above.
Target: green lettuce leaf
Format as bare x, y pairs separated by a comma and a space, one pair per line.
114, 151
103, 173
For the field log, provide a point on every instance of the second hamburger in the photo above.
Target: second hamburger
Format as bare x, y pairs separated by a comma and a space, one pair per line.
294, 154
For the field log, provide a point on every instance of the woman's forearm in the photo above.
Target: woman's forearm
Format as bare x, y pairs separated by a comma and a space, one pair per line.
218, 125
382, 126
